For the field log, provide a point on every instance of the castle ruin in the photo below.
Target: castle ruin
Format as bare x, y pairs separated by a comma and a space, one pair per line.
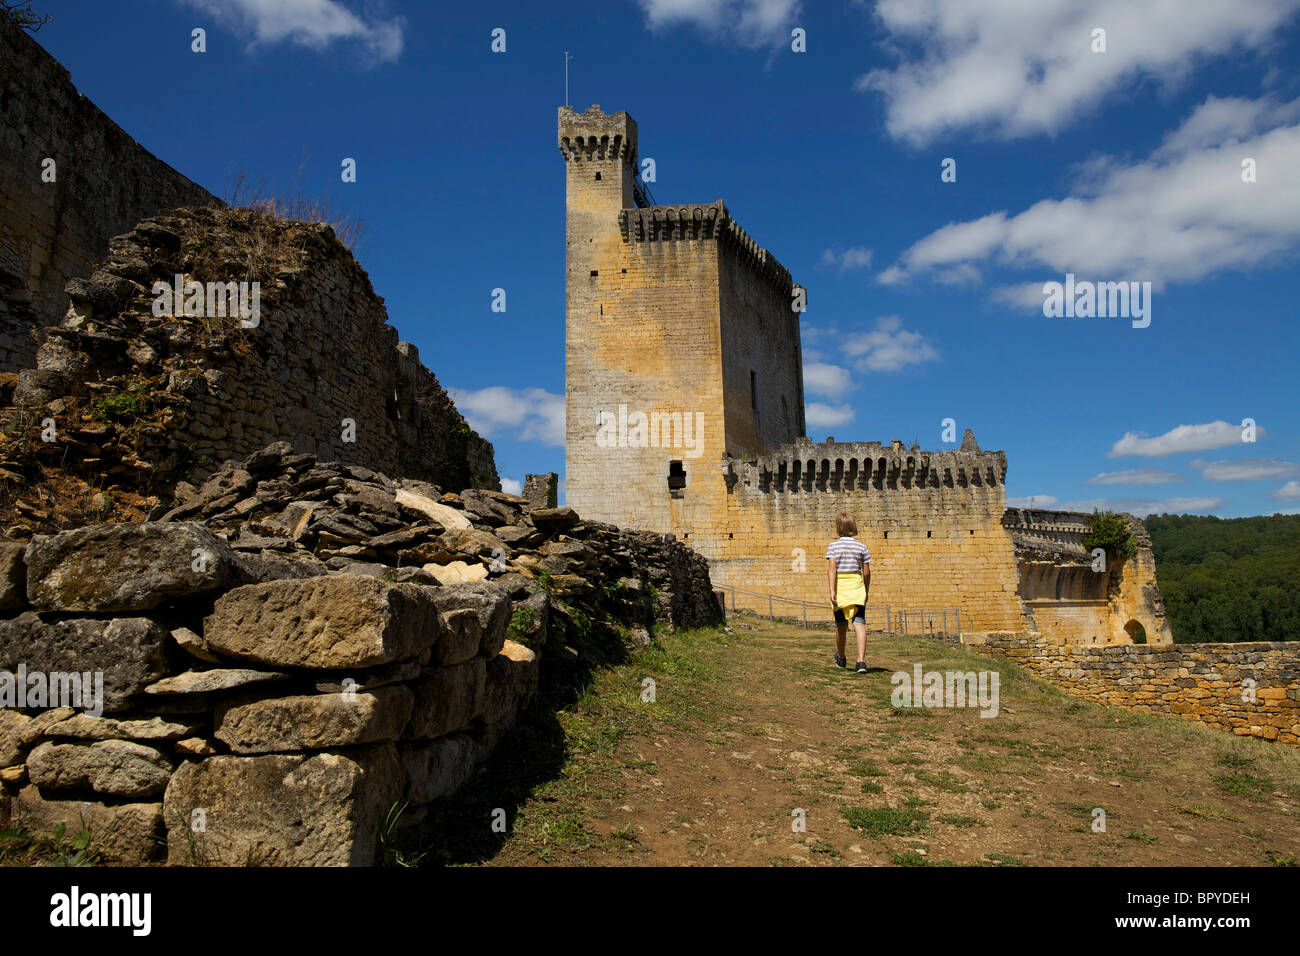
684, 388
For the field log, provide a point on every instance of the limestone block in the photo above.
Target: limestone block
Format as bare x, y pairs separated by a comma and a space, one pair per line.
321, 809
120, 768
315, 721
126, 567
332, 623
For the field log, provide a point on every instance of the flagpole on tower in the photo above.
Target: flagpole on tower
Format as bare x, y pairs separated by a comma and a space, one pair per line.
567, 57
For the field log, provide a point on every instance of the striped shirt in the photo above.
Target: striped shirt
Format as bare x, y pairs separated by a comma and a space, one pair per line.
849, 555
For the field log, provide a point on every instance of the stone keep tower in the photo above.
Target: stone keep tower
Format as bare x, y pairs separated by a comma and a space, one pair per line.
681, 343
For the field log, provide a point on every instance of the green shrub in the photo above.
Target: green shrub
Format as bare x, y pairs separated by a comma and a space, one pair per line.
124, 408
1110, 531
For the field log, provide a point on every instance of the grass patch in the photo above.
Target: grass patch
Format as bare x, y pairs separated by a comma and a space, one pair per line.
880, 821
867, 768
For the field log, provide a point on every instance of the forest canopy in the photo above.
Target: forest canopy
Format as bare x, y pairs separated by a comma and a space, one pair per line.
1229, 579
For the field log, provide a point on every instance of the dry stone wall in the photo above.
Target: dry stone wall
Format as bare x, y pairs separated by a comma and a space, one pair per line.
104, 181
298, 645
1249, 689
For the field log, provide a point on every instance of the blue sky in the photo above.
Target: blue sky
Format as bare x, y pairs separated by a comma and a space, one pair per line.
925, 297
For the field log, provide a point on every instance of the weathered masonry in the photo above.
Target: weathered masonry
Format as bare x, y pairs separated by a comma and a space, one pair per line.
103, 183
684, 390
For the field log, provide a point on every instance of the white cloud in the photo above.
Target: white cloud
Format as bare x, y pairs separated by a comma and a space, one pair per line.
888, 347
1137, 476
1141, 507
1223, 119
822, 378
512, 487
1184, 438
315, 24
1025, 296
855, 257
1010, 68
1288, 492
821, 415
1178, 216
1034, 501
529, 414
752, 23
894, 275
1245, 469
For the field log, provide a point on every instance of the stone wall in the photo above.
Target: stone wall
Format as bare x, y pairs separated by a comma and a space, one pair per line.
104, 183
1206, 683
299, 645
150, 395
762, 355
641, 326
930, 519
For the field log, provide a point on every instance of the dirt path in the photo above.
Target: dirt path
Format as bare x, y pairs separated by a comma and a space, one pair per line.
748, 727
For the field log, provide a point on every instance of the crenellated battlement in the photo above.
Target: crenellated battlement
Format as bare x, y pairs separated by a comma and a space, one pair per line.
806, 466
1053, 532
669, 223
702, 221
1060, 531
594, 136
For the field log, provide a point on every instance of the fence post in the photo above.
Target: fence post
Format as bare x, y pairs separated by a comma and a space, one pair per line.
889, 620
770, 615
805, 614
957, 610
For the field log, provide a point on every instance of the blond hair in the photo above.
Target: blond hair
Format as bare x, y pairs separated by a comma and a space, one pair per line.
845, 526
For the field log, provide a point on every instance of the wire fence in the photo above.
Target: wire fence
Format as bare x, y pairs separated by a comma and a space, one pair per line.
940, 622
937, 622
806, 613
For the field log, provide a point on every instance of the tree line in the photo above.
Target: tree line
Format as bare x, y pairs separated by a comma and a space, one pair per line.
1229, 579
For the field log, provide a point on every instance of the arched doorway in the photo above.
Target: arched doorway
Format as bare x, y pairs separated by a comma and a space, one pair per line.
1136, 632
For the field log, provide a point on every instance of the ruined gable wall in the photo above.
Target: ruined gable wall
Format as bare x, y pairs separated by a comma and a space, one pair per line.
151, 399
51, 232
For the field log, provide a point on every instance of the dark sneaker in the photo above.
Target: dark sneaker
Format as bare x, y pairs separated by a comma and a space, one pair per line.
861, 668
841, 661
